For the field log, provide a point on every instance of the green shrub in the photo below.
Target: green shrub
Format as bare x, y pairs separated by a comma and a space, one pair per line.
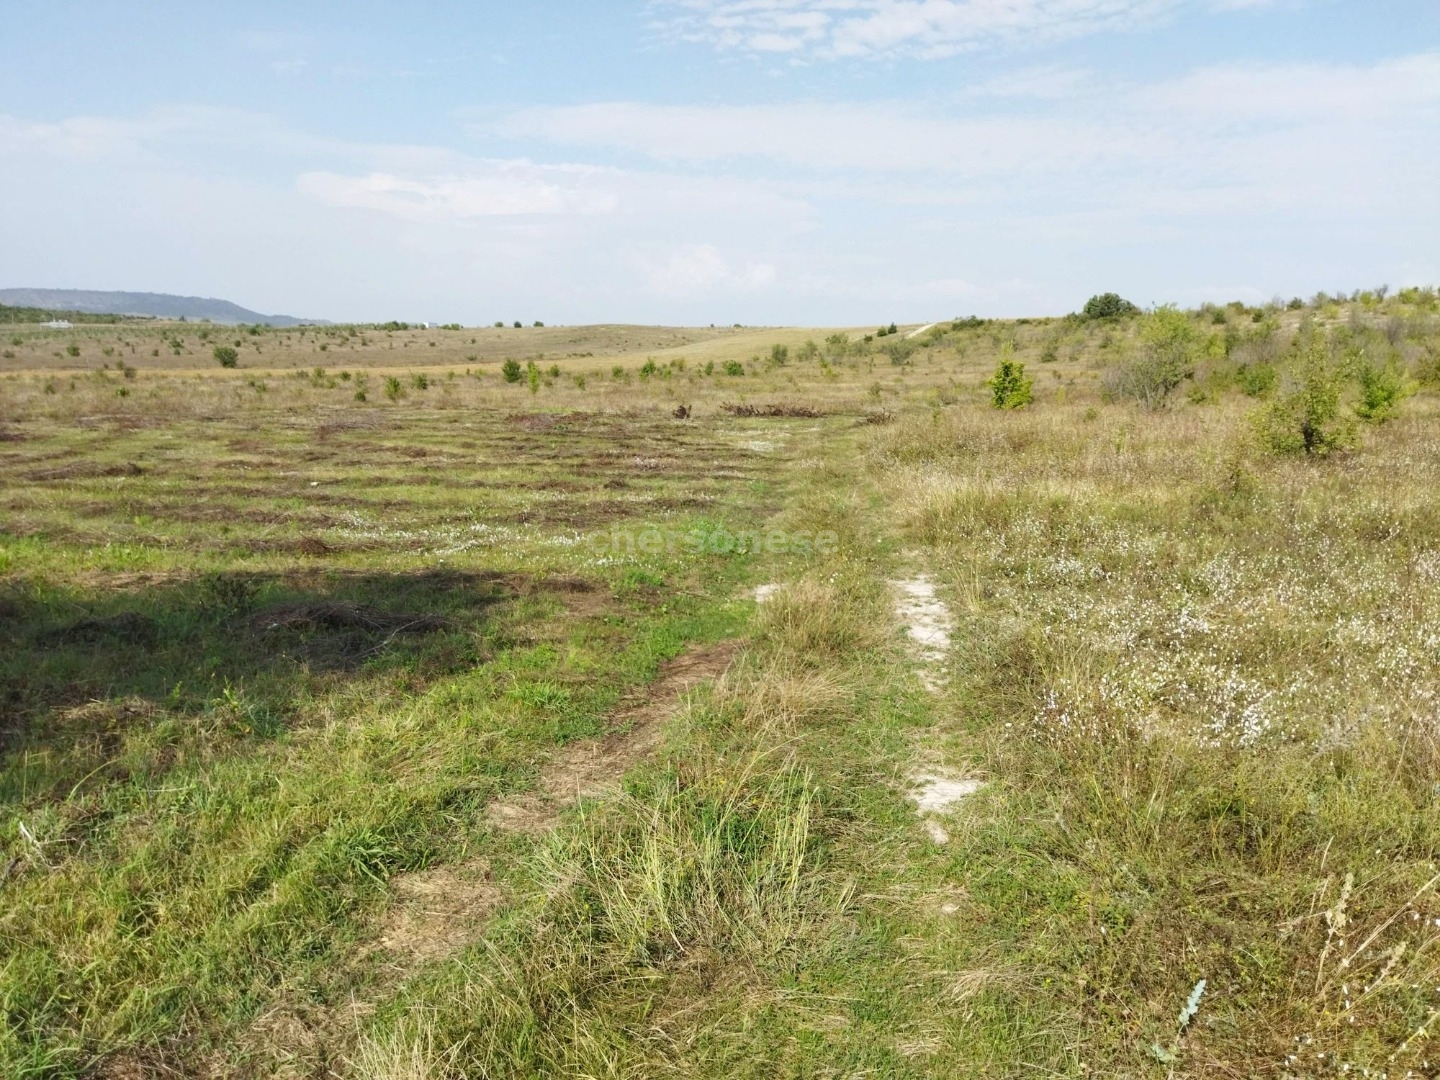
1306, 418
532, 376
420, 381
1009, 388
510, 369
734, 367
1257, 380
72, 350
1108, 306
393, 390
1382, 388
617, 372
1428, 369
1169, 348
779, 355
648, 368
226, 356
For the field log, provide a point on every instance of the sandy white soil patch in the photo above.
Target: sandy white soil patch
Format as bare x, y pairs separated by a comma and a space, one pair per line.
937, 792
928, 622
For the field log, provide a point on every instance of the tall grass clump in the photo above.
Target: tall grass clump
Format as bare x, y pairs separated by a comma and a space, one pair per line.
815, 619
660, 915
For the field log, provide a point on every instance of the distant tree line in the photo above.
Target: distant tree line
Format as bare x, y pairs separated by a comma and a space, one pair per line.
10, 314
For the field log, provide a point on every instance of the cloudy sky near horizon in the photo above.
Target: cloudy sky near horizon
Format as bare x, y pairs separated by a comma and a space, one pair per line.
695, 161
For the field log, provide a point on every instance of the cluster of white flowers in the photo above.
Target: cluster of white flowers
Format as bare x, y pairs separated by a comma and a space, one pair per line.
1298, 641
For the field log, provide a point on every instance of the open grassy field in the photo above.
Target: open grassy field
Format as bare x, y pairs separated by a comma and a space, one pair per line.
723, 702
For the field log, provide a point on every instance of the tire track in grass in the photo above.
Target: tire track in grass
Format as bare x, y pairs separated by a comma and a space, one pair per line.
436, 913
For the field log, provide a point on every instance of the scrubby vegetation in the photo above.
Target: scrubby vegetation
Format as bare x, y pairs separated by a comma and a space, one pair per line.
410, 734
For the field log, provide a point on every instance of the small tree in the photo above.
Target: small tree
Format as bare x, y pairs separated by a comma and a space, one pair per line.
1009, 388
510, 369
532, 376
226, 356
1305, 418
779, 355
1382, 388
1169, 348
1108, 306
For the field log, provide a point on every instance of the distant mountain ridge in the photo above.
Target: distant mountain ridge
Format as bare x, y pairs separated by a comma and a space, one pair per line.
154, 305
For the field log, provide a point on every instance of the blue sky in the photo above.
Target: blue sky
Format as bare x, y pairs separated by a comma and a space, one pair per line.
696, 161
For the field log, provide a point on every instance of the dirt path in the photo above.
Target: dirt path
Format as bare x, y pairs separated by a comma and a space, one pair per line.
436, 913
594, 766
934, 790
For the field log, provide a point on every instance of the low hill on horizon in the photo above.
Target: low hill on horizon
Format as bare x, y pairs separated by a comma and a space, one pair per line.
153, 305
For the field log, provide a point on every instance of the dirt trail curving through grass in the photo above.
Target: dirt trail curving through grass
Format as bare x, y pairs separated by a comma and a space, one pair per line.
591, 767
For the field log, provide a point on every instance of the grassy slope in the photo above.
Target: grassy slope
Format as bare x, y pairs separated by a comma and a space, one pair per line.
1197, 680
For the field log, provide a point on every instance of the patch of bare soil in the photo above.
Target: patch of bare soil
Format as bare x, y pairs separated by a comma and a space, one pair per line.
84, 470
436, 913
128, 626
342, 615
778, 409
594, 766
545, 421
130, 1067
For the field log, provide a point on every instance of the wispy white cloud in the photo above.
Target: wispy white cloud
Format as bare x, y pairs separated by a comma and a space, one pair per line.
489, 189
925, 28
1305, 135
702, 269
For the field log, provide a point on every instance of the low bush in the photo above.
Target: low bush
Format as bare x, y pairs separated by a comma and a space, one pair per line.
226, 356
1257, 380
1009, 388
1169, 348
1382, 388
1306, 418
